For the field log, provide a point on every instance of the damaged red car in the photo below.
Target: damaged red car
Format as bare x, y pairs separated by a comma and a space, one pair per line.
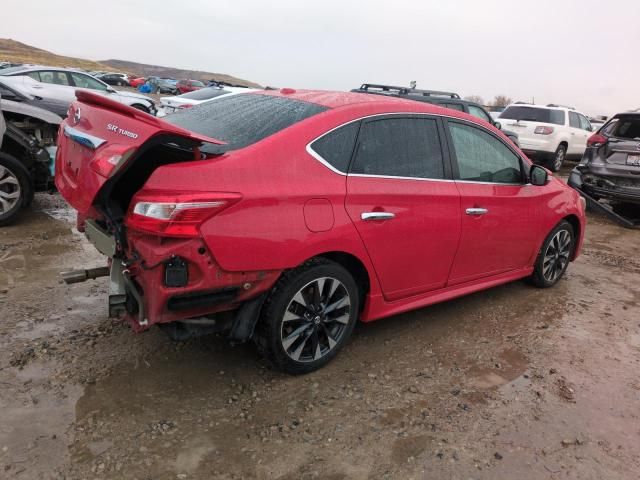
286, 216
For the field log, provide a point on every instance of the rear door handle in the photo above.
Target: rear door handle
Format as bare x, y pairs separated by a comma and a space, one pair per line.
366, 216
477, 211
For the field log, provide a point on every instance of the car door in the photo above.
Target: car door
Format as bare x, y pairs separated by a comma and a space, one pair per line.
583, 136
403, 203
577, 143
498, 207
55, 97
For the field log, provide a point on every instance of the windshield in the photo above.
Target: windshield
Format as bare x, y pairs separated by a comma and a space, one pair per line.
205, 93
534, 114
243, 119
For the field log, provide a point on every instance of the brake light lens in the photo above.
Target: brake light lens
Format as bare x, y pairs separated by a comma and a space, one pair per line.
596, 140
186, 105
542, 130
109, 160
176, 215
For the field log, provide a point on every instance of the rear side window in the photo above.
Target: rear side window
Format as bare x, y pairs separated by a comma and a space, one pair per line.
336, 147
534, 114
483, 158
627, 128
243, 119
54, 77
399, 147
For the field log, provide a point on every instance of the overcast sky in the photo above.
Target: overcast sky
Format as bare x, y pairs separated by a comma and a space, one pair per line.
577, 52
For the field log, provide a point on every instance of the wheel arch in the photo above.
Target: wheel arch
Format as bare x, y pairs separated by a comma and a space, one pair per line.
141, 107
577, 231
355, 267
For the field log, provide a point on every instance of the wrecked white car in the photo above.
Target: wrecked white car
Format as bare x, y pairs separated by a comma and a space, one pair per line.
27, 151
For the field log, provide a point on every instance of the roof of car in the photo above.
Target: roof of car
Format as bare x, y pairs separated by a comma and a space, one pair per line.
390, 104
332, 99
35, 68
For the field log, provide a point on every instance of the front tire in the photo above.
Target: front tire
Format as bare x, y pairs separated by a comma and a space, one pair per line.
553, 259
15, 188
558, 158
308, 316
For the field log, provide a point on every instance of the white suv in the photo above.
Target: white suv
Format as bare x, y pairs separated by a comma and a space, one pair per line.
548, 134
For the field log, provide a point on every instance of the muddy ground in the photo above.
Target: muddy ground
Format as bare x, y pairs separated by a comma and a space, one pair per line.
513, 382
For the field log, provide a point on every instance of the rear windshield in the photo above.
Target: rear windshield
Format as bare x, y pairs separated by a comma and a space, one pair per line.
627, 127
205, 93
243, 119
533, 114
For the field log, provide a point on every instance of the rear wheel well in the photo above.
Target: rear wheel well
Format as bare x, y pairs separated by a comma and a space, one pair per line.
575, 224
565, 143
355, 267
140, 107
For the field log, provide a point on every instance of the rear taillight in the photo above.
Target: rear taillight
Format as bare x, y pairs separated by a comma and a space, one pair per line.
109, 160
596, 140
542, 130
186, 105
176, 215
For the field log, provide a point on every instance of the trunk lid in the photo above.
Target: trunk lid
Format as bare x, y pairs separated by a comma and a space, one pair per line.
101, 136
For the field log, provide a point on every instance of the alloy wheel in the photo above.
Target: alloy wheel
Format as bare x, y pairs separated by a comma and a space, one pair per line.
556, 256
9, 190
315, 319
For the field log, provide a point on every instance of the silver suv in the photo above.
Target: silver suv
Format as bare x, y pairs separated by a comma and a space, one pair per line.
55, 87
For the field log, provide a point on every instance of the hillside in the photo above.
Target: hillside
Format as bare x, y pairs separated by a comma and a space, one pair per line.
17, 52
169, 72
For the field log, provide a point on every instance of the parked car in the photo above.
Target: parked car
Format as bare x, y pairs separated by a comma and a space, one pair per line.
136, 82
27, 149
170, 105
548, 134
610, 166
284, 216
186, 86
168, 85
444, 99
56, 88
116, 79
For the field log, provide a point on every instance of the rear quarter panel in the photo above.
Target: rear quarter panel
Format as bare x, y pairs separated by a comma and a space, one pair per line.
267, 229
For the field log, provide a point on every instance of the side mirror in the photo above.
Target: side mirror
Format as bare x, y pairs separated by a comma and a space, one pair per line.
498, 125
538, 176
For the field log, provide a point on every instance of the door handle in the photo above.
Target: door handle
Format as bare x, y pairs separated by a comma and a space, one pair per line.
367, 216
476, 211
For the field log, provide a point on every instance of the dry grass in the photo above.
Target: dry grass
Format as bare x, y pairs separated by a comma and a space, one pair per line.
13, 51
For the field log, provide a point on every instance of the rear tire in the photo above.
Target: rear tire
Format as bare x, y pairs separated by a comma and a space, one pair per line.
553, 258
308, 316
15, 188
558, 158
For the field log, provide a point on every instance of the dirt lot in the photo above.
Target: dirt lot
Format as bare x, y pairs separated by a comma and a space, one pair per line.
514, 382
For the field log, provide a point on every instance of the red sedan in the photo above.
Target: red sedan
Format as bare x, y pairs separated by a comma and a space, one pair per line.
136, 82
186, 86
286, 216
